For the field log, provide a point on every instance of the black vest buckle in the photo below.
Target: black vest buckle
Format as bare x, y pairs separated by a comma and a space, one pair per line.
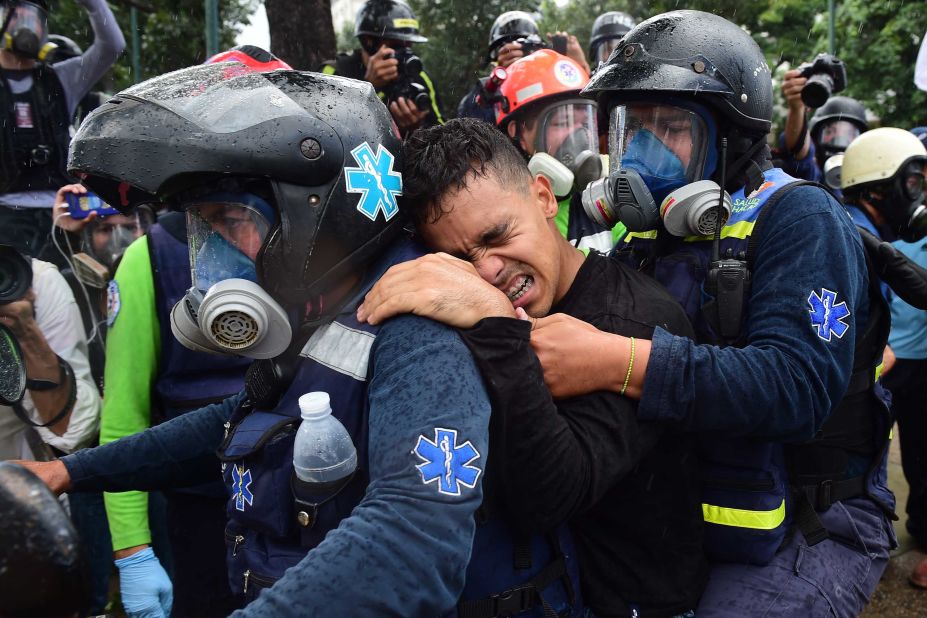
823, 495
513, 601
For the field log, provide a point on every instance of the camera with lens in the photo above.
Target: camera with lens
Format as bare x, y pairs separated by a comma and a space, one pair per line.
15, 275
532, 43
409, 85
826, 75
40, 155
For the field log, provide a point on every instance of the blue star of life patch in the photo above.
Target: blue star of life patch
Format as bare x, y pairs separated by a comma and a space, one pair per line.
827, 316
446, 462
375, 180
241, 484
113, 302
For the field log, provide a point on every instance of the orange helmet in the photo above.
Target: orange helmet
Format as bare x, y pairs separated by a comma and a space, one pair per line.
539, 76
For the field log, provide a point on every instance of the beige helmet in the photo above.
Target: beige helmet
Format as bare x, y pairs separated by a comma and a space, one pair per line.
877, 155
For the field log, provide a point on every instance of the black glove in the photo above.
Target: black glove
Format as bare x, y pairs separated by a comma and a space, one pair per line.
907, 279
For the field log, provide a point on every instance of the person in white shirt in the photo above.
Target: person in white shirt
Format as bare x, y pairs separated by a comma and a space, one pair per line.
47, 324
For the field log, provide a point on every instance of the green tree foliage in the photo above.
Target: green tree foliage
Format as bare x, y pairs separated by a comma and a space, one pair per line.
173, 35
878, 40
879, 43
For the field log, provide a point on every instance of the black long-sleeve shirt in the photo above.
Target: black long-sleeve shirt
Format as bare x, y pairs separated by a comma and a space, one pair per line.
628, 488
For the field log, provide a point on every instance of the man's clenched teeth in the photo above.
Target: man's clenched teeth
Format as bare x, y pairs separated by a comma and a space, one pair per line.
521, 285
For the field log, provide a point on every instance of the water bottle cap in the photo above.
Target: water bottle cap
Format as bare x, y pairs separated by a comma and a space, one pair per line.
314, 405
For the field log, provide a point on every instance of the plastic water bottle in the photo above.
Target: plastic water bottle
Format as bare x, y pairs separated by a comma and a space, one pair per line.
324, 451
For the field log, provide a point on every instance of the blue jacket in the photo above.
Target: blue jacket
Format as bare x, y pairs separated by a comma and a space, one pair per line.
405, 547
790, 376
808, 304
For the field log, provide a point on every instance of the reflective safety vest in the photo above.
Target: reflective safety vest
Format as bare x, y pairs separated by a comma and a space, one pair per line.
582, 232
272, 535
753, 491
186, 380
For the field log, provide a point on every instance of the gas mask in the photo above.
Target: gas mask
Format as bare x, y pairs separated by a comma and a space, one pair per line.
566, 146
103, 241
832, 169
25, 31
226, 311
604, 50
902, 203
833, 139
654, 150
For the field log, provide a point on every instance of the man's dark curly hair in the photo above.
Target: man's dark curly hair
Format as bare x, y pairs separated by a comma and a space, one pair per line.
443, 158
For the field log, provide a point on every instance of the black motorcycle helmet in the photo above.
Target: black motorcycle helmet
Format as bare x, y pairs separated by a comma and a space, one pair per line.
700, 57
293, 130
42, 570
388, 19
838, 108
510, 26
610, 25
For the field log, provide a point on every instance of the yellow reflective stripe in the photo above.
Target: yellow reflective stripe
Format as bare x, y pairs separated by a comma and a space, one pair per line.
878, 371
891, 433
740, 518
741, 230
646, 235
405, 22
431, 95
328, 69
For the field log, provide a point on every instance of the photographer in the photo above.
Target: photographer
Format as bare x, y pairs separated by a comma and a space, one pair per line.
805, 147
61, 410
515, 35
40, 99
386, 30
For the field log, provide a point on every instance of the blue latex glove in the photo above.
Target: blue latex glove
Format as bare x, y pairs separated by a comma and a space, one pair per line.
146, 589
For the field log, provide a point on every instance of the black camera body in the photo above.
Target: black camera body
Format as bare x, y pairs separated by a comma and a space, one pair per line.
826, 75
15, 275
532, 43
409, 85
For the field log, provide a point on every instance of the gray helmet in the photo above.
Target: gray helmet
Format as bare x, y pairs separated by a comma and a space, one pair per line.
610, 25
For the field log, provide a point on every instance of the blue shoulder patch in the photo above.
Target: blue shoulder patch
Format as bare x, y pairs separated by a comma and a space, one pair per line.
447, 463
827, 315
375, 180
113, 303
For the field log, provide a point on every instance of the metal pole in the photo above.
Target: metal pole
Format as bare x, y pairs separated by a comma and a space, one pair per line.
830, 26
212, 27
136, 46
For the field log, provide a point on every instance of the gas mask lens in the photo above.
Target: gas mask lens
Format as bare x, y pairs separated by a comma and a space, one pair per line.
913, 183
26, 32
568, 129
224, 239
605, 49
837, 135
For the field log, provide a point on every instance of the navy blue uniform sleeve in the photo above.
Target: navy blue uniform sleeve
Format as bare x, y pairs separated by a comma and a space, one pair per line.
806, 168
404, 549
177, 453
808, 300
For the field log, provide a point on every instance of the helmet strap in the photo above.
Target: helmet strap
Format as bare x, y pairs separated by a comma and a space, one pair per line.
744, 170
